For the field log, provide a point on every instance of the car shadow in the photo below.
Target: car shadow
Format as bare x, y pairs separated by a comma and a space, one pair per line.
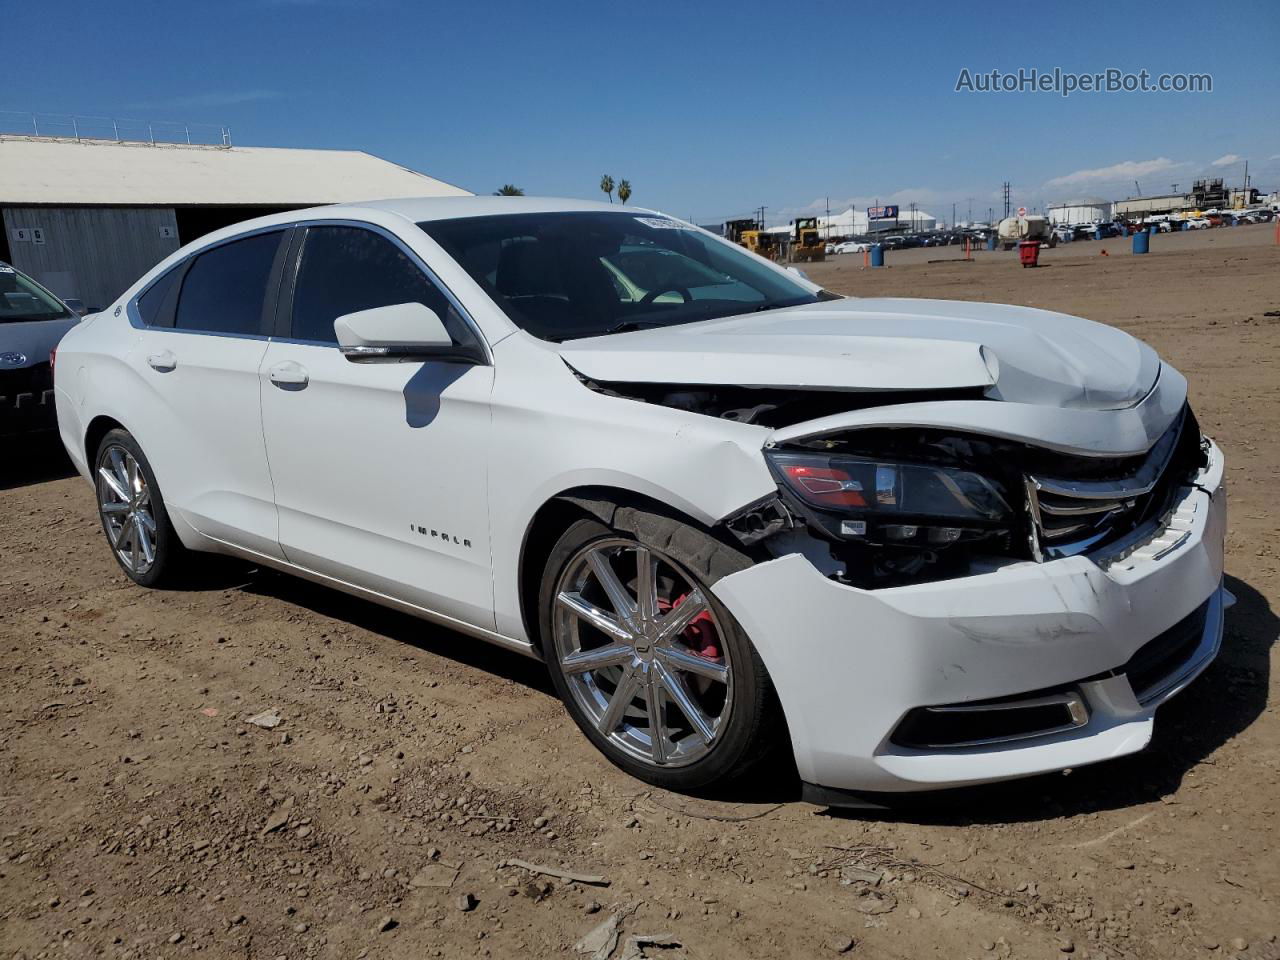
34, 459
1224, 701
385, 622
1219, 705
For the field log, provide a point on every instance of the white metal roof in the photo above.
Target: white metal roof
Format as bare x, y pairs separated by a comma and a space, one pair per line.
135, 174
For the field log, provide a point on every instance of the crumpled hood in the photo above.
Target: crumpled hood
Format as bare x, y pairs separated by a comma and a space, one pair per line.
1015, 353
32, 339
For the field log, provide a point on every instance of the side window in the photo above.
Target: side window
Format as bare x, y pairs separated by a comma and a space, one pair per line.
346, 269
224, 288
156, 305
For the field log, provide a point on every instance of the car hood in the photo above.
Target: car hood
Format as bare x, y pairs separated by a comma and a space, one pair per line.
1013, 353
32, 339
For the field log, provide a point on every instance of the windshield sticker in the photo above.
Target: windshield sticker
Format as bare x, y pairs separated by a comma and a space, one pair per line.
662, 223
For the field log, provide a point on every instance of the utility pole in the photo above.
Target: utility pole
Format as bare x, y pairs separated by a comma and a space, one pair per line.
1137, 188
1246, 183
953, 216
1006, 198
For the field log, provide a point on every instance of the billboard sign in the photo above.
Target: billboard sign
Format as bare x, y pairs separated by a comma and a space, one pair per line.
882, 213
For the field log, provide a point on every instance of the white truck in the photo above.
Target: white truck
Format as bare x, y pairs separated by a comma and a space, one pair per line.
1013, 230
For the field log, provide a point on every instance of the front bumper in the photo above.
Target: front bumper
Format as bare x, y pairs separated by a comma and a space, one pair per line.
850, 664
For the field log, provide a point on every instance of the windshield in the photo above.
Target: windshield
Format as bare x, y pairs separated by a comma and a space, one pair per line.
21, 298
561, 276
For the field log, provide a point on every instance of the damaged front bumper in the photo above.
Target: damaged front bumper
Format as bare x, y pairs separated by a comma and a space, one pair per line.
1087, 646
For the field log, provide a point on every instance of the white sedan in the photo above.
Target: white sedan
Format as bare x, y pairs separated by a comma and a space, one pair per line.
916, 543
852, 246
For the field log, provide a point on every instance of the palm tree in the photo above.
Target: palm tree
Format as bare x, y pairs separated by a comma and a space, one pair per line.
508, 190
606, 184
624, 190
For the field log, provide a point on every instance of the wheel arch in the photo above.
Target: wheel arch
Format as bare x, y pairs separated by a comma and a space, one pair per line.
98, 428
704, 550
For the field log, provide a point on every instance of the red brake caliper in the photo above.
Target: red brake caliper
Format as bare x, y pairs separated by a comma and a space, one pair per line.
700, 635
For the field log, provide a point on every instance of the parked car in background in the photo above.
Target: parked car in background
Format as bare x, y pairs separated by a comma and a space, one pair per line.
852, 246
1063, 233
32, 321
1198, 223
919, 543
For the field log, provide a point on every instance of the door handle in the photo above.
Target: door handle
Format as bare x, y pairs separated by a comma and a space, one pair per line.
164, 361
288, 374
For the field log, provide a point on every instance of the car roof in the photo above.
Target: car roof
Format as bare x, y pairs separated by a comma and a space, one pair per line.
419, 209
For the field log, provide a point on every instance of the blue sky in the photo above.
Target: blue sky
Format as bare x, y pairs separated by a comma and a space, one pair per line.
710, 109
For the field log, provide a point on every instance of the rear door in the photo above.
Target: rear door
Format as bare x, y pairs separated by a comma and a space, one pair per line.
204, 329
379, 468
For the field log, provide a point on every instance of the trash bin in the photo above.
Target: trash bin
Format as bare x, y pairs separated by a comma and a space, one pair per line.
1141, 241
991, 241
1029, 253
877, 255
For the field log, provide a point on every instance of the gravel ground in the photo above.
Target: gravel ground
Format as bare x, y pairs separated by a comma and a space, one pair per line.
143, 817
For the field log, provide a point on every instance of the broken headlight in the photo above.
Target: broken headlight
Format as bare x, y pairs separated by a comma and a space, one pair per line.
880, 501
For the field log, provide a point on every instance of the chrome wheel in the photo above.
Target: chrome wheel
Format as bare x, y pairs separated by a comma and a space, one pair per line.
642, 652
124, 501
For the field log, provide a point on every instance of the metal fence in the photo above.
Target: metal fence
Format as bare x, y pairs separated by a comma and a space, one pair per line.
74, 127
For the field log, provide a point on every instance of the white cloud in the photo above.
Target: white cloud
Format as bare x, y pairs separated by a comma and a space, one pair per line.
217, 98
1116, 173
1227, 159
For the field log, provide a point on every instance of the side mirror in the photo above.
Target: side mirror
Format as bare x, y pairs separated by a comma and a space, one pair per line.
798, 272
397, 333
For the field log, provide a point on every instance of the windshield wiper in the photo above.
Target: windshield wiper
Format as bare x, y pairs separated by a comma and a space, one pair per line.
626, 326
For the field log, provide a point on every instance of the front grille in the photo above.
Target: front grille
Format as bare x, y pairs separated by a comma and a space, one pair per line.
26, 398
1164, 657
1070, 514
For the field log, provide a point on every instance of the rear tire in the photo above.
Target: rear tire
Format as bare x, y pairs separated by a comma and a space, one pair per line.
133, 514
718, 713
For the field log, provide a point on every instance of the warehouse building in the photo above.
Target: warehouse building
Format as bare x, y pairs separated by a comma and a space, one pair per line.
88, 217
856, 223
1084, 210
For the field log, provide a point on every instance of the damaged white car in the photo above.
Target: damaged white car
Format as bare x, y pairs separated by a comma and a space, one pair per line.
918, 543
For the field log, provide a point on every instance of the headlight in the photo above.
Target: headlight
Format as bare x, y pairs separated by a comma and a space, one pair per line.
864, 499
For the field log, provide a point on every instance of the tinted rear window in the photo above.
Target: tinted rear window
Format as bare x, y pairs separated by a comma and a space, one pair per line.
225, 287
151, 303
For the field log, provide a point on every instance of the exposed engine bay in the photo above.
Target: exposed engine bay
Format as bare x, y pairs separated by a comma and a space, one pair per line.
886, 506
770, 406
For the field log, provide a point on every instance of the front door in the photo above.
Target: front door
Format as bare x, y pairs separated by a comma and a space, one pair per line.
379, 468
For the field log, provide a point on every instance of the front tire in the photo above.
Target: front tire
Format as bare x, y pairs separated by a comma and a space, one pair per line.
133, 514
652, 668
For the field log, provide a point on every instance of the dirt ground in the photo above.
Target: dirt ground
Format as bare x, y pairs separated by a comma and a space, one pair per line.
142, 817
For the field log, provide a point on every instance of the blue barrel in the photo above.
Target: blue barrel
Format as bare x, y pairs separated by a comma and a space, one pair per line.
1153, 230
991, 241
1124, 229
1141, 241
1097, 233
877, 255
